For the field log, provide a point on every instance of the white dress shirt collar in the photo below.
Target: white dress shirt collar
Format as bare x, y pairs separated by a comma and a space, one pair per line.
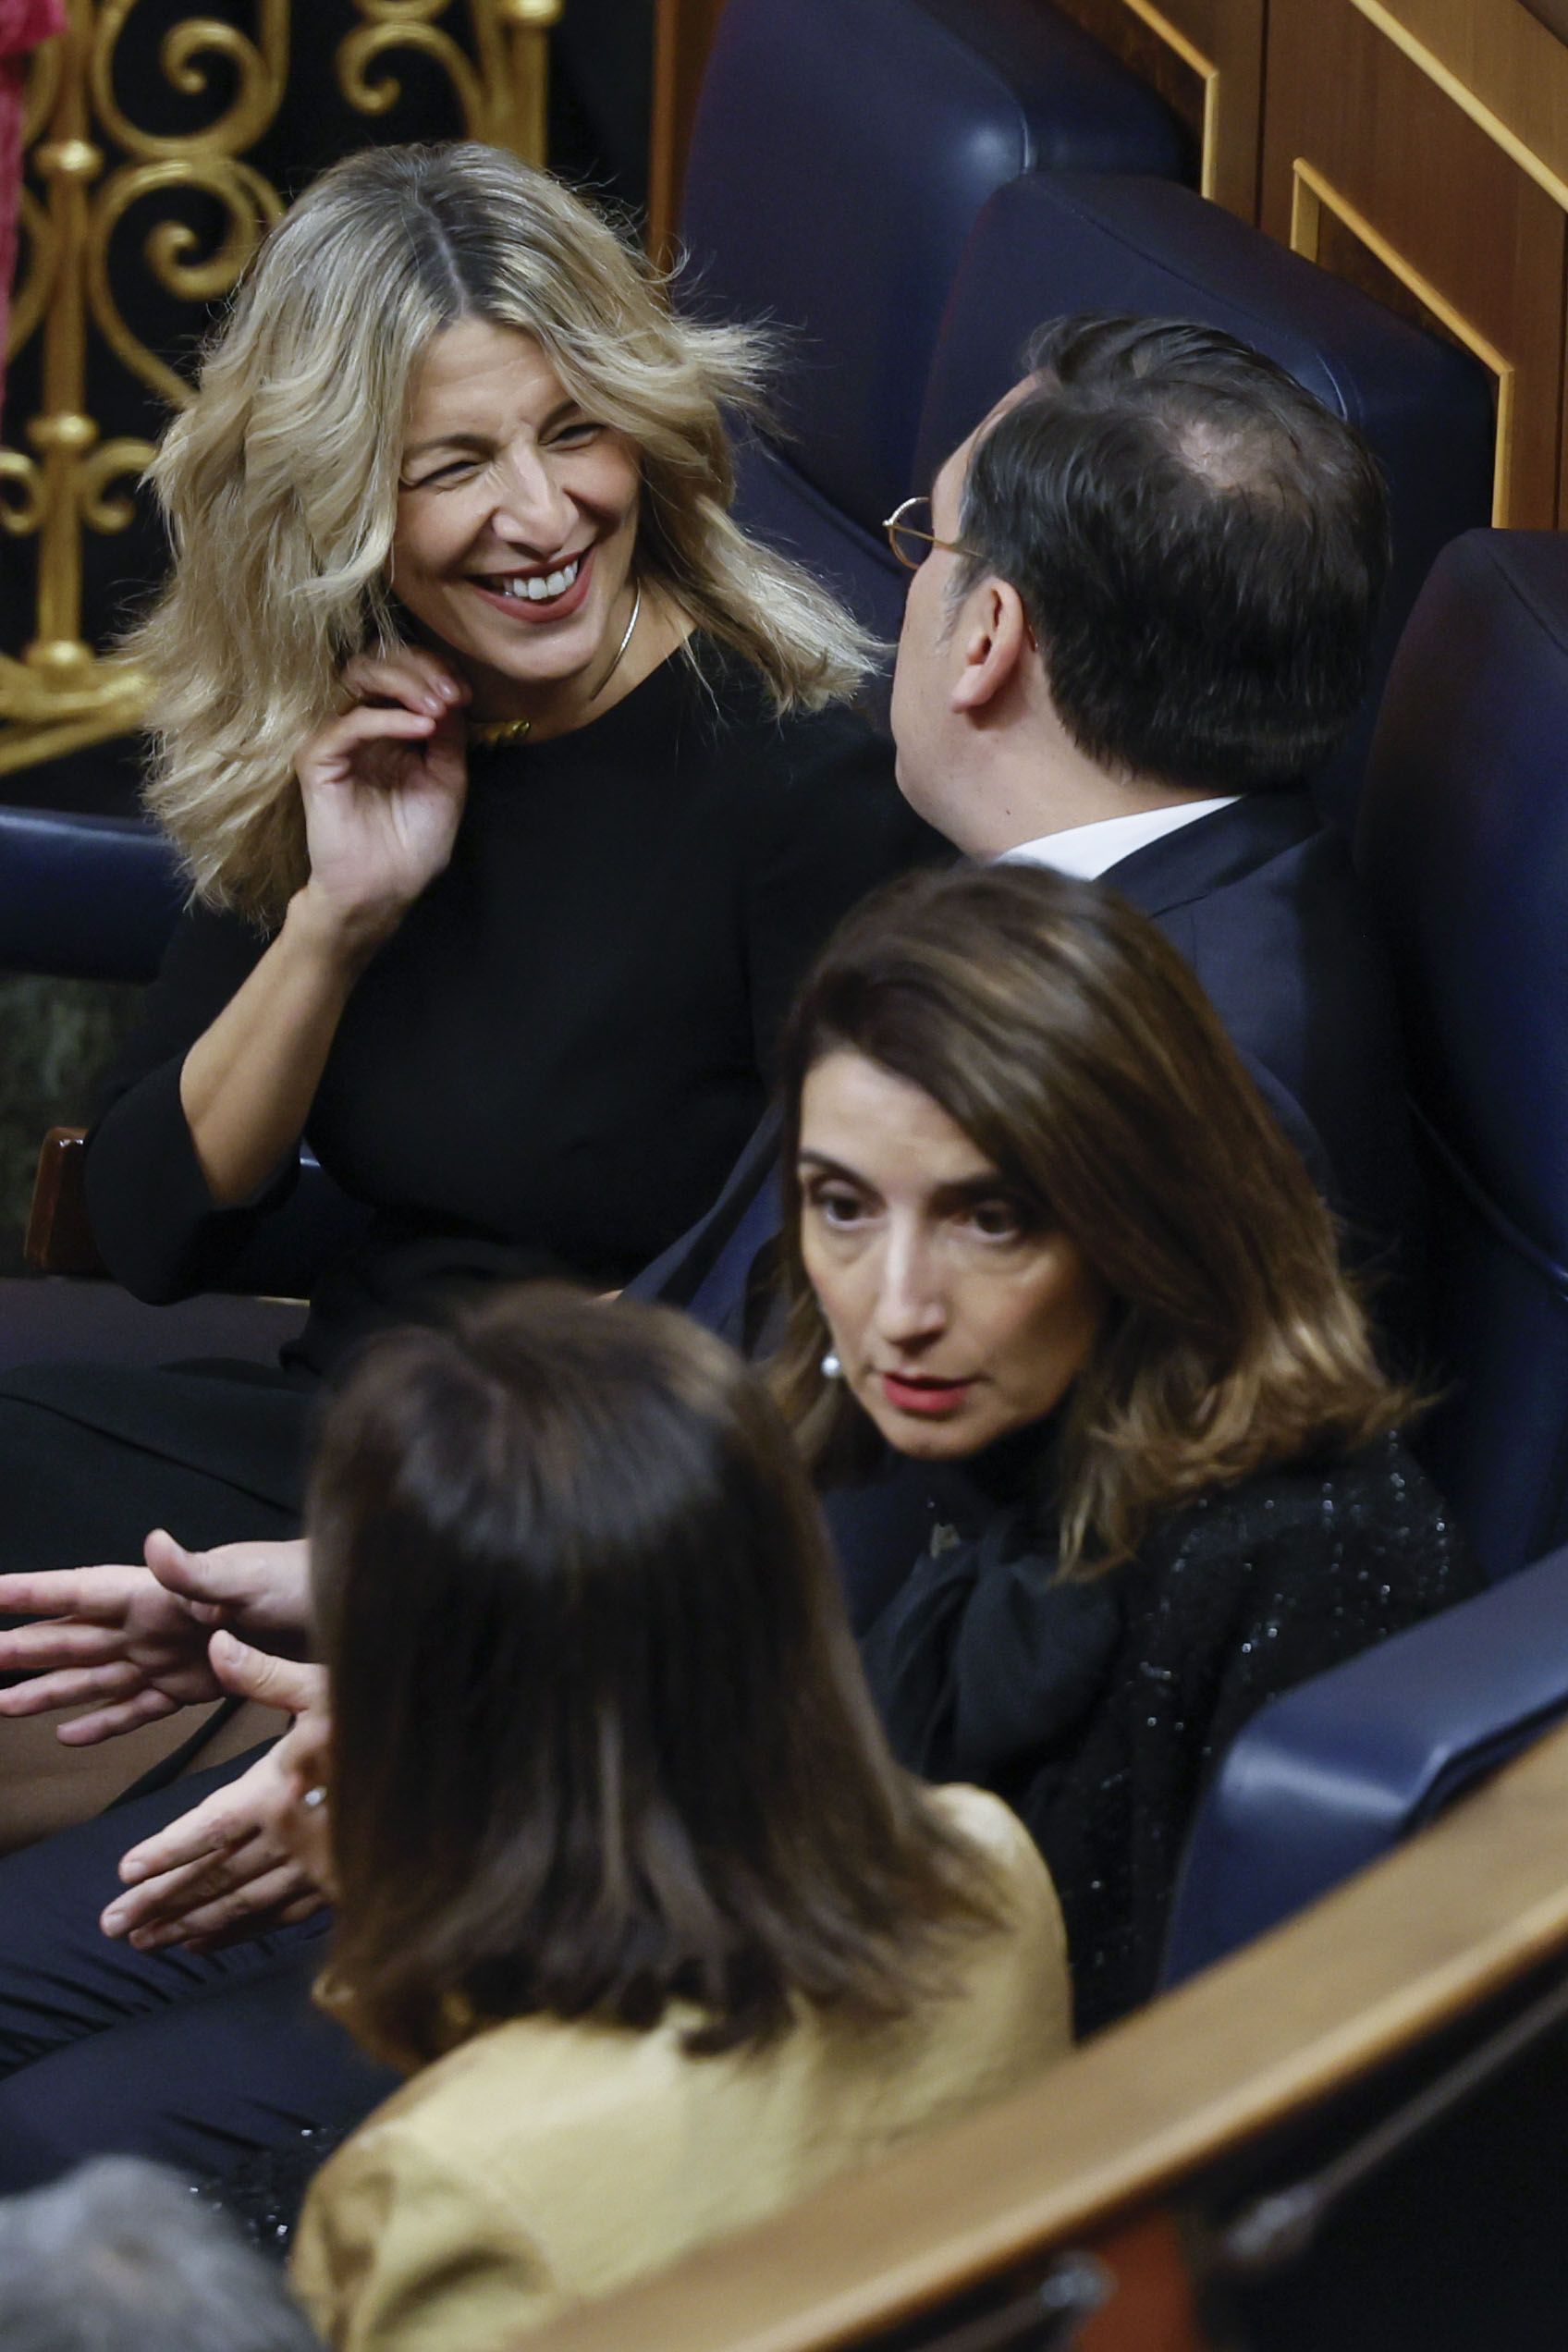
1088, 851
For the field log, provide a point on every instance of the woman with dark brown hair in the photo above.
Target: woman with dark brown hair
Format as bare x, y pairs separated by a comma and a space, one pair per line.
1051, 1250
626, 1875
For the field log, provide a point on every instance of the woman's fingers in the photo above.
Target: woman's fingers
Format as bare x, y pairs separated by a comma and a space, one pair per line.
248, 1907
71, 1592
166, 1894
303, 1905
127, 1715
59, 1642
418, 679
72, 1686
367, 723
218, 1873
229, 1819
282, 1683
259, 1586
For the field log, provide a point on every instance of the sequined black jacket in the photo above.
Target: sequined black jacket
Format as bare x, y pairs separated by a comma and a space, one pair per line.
1098, 1708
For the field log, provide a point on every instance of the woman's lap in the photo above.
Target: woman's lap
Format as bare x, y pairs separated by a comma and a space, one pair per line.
246, 2066
194, 2060
92, 1456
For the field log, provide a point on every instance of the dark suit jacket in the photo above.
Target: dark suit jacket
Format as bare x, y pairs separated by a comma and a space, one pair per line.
1261, 899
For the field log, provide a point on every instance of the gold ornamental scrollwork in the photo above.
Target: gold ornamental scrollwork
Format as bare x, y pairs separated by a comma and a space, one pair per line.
501, 79
260, 69
250, 204
102, 200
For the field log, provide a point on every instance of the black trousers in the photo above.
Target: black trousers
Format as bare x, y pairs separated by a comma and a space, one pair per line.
104, 2050
196, 2062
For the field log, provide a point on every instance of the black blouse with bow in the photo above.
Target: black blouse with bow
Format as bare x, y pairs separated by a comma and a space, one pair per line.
1098, 1707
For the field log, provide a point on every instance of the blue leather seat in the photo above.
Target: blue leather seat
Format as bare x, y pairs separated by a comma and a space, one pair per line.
1463, 844
1326, 1778
841, 151
1050, 244
93, 898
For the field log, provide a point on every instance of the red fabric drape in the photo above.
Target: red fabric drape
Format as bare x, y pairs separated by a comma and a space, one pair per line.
23, 24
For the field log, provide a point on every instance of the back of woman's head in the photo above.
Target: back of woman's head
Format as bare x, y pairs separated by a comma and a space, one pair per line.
279, 483
600, 1736
1058, 1028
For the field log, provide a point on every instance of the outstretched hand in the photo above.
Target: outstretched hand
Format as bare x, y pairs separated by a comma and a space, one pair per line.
251, 1857
131, 1643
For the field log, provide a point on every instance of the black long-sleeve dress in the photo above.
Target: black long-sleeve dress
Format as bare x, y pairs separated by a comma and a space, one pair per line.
1098, 1706
549, 1068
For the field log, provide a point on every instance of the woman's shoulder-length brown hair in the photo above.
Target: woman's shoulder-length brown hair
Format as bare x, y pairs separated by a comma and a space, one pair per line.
1062, 1031
601, 1739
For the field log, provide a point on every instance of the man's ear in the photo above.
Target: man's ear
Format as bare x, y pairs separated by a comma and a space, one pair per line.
994, 636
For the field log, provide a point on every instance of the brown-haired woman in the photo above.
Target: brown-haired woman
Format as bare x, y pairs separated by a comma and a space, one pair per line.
623, 1865
1049, 1246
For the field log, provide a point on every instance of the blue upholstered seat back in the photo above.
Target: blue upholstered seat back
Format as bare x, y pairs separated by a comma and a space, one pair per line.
841, 152
1463, 841
94, 897
1335, 1772
1050, 244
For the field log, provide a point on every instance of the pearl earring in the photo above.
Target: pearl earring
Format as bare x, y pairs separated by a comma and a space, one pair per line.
832, 1367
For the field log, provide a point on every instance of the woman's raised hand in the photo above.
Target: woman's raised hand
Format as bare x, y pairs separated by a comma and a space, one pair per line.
384, 786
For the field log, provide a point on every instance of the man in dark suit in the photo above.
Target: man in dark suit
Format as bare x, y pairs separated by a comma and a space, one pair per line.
1139, 620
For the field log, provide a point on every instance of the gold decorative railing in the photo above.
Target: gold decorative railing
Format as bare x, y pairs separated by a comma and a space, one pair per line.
89, 164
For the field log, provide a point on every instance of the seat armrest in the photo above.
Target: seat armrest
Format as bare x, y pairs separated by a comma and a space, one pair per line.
1337, 1771
59, 1239
283, 1260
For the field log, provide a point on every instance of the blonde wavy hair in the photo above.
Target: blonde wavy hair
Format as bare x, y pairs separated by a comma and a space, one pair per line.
1065, 1036
279, 483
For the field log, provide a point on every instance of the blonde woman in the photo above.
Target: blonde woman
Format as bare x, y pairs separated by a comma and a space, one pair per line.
515, 789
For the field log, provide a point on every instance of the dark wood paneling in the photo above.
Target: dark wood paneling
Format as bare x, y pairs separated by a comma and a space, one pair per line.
1206, 59
683, 32
1141, 49
1436, 202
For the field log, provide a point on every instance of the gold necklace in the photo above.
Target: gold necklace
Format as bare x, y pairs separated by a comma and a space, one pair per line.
498, 731
501, 733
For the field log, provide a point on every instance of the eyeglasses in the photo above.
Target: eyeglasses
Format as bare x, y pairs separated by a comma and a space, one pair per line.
910, 539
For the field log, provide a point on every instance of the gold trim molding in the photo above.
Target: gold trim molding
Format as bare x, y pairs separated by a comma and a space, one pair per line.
1384, 21
1207, 72
89, 165
1311, 195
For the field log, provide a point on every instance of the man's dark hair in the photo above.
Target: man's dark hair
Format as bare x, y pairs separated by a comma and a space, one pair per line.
1199, 544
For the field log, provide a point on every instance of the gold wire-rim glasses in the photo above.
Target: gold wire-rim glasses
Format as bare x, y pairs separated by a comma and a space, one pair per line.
895, 525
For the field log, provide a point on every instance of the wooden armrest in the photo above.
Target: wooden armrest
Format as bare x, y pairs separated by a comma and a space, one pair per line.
59, 1239
1400, 1952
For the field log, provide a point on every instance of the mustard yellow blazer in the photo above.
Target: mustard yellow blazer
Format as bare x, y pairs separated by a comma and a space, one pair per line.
544, 2163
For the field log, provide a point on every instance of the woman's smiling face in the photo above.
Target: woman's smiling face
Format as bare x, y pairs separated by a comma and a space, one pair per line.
516, 522
958, 1317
